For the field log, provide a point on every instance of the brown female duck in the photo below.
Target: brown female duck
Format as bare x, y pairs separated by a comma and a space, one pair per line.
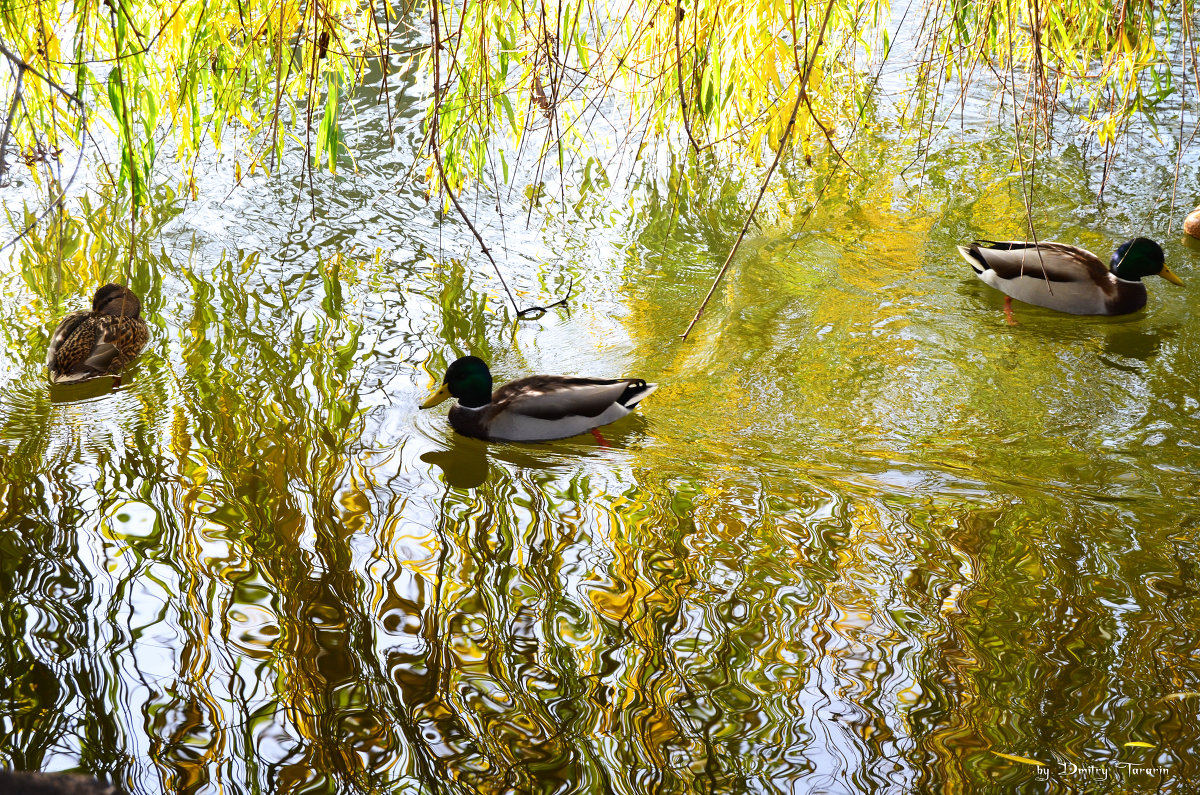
99, 342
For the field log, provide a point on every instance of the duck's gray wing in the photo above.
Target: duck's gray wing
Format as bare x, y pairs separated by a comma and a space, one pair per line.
1055, 262
552, 397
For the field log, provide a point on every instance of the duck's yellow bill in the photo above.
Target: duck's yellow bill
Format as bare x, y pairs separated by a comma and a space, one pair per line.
437, 397
1171, 277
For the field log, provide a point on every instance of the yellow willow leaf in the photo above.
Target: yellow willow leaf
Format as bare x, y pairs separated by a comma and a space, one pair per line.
53, 49
755, 145
291, 17
1022, 759
783, 53
783, 114
177, 25
1138, 744
815, 77
767, 68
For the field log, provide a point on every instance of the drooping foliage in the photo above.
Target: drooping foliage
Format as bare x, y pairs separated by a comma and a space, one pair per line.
176, 75
124, 82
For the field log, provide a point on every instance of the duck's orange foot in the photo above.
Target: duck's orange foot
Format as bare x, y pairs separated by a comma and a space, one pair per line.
603, 442
1008, 313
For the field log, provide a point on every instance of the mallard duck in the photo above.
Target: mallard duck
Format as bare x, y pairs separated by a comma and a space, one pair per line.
1191, 224
1069, 278
99, 342
533, 409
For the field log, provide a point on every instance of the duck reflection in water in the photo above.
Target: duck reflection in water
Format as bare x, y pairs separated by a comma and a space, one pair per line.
73, 391
464, 466
14, 782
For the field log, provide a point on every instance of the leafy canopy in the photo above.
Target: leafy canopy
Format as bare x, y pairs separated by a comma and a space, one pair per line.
125, 82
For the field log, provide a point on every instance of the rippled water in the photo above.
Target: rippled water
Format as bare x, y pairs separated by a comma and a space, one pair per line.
865, 537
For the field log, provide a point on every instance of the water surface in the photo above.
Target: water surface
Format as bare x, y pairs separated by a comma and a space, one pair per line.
866, 537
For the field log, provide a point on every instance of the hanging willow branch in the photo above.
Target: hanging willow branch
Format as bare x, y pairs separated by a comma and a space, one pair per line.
17, 103
435, 146
783, 145
5, 178
190, 70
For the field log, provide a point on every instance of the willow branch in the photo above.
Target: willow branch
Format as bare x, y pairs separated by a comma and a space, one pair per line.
783, 144
12, 112
436, 147
23, 67
21, 64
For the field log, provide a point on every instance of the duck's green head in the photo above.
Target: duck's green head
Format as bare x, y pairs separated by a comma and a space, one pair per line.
1141, 257
467, 379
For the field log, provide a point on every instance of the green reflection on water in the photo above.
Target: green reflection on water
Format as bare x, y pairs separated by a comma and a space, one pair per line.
864, 534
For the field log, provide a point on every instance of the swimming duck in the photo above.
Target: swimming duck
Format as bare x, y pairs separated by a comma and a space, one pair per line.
1069, 278
1191, 224
533, 409
99, 342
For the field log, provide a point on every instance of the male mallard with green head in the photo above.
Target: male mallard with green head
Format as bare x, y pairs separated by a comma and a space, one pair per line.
100, 342
1069, 278
534, 409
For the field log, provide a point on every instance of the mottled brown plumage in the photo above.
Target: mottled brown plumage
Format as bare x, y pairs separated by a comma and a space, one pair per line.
99, 342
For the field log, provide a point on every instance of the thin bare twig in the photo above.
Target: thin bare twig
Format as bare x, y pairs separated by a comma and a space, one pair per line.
683, 104
1187, 30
